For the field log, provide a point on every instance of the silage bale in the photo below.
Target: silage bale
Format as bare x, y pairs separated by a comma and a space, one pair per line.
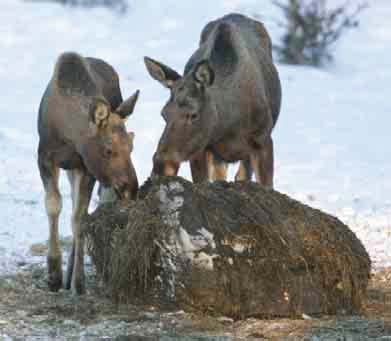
233, 249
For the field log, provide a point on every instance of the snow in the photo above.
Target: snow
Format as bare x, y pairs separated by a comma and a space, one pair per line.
181, 243
331, 142
207, 237
204, 260
169, 206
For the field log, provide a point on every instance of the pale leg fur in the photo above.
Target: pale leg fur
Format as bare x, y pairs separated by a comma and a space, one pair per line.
211, 166
216, 170
244, 172
81, 189
53, 204
221, 169
262, 163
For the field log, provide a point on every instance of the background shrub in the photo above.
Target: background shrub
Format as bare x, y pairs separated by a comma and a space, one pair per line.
120, 6
311, 28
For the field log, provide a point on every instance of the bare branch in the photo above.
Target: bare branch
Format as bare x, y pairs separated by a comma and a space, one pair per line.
311, 28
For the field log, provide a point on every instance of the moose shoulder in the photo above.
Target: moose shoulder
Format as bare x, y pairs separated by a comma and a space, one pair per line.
225, 105
81, 127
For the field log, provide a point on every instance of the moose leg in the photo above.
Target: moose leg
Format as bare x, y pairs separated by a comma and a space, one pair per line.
217, 168
199, 167
53, 203
71, 263
211, 166
244, 172
221, 171
82, 185
262, 163
71, 258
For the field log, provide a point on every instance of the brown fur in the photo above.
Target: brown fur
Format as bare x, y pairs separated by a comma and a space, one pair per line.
226, 103
217, 170
81, 127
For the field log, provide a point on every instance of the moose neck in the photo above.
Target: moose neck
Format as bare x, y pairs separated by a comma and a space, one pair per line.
225, 109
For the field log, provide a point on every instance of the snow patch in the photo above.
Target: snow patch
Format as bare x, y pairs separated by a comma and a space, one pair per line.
204, 260
209, 237
170, 204
186, 244
238, 247
190, 247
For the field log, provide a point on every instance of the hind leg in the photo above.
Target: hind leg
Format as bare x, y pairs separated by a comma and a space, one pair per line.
221, 168
262, 162
244, 172
53, 203
82, 185
217, 169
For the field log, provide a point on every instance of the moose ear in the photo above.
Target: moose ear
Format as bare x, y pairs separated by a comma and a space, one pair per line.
203, 73
162, 73
126, 108
131, 136
99, 112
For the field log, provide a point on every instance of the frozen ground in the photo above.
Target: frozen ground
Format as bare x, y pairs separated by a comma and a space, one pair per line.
332, 141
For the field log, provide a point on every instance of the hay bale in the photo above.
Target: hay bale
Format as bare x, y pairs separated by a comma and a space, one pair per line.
233, 249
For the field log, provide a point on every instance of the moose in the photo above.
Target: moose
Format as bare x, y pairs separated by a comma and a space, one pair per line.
224, 107
81, 126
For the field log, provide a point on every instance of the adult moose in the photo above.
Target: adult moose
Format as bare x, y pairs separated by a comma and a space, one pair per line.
81, 127
224, 107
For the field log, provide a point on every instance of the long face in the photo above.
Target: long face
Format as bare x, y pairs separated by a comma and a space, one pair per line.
106, 151
189, 115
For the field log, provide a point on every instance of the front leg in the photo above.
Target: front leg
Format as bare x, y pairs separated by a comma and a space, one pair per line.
82, 185
217, 168
244, 172
199, 167
164, 167
262, 162
50, 175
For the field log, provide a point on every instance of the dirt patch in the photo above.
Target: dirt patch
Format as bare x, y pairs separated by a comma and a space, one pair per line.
379, 296
29, 311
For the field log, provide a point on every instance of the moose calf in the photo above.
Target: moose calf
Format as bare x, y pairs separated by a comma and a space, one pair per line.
81, 127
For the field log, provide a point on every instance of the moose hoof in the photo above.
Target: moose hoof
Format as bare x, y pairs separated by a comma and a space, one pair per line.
55, 273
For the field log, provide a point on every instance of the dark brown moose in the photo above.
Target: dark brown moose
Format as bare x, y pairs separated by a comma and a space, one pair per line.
224, 107
81, 127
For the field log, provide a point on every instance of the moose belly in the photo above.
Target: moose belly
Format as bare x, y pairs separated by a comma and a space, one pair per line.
66, 158
231, 150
